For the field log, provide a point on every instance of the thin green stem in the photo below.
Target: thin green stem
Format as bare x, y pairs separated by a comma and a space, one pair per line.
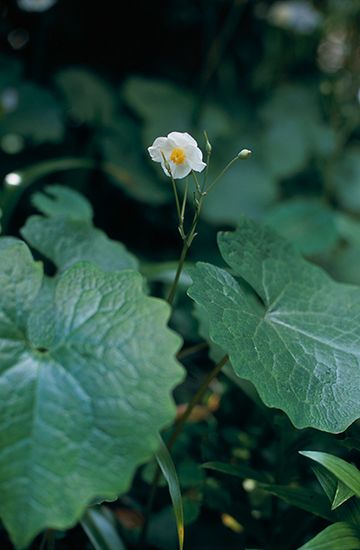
180, 267
186, 352
214, 182
207, 167
197, 184
179, 426
187, 243
182, 213
176, 198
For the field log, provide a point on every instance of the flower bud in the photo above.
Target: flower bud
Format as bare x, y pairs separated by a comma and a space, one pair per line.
208, 145
244, 154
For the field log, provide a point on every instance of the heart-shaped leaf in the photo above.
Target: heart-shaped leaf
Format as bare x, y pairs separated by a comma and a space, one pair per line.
300, 346
83, 392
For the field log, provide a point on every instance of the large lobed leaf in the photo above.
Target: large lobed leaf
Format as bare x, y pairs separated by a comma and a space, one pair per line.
300, 346
68, 236
84, 389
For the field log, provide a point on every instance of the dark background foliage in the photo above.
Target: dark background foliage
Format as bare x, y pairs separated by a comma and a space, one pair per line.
287, 89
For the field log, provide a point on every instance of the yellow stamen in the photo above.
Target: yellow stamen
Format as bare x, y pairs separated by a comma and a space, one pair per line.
178, 155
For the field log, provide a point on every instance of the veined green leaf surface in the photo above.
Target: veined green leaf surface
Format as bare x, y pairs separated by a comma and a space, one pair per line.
339, 535
342, 470
67, 235
303, 498
301, 347
343, 502
81, 404
66, 241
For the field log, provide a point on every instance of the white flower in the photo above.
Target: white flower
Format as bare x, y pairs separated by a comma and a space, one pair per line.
36, 5
181, 153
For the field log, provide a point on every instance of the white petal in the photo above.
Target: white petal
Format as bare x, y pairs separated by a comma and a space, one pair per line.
156, 148
194, 157
181, 139
180, 171
198, 166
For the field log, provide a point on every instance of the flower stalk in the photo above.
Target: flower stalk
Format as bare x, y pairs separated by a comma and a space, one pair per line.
161, 152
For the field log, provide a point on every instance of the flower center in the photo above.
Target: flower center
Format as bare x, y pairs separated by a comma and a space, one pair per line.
178, 155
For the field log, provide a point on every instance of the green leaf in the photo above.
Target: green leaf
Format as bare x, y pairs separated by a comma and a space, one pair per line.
344, 266
42, 169
306, 499
169, 472
294, 130
288, 142
37, 116
58, 200
336, 491
99, 526
340, 535
299, 346
345, 177
88, 98
242, 471
327, 481
82, 409
344, 472
285, 147
155, 101
348, 228
66, 241
124, 161
342, 495
247, 188
307, 223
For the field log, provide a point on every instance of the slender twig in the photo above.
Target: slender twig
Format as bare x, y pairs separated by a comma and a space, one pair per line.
215, 54
197, 184
176, 198
214, 182
179, 425
178, 428
187, 243
192, 350
180, 267
221, 42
